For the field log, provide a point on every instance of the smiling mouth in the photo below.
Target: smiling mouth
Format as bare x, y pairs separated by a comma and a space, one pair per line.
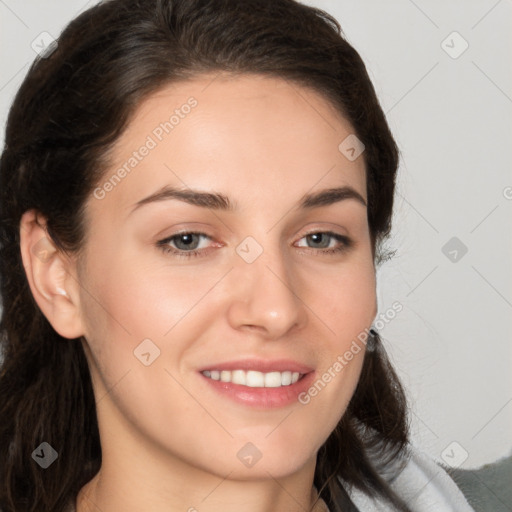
254, 379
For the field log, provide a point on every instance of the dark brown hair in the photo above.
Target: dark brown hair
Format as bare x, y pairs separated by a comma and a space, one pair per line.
69, 111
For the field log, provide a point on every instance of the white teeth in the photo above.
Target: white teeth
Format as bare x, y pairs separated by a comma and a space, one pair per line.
238, 377
286, 378
254, 379
273, 380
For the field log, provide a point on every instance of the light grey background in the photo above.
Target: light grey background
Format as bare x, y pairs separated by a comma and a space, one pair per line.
452, 117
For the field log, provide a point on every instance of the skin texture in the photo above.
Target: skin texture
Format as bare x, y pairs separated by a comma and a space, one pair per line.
170, 441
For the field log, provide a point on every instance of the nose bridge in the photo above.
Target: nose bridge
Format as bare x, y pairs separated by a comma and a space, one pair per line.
266, 292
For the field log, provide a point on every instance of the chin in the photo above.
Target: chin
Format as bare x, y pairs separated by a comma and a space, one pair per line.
263, 470
276, 460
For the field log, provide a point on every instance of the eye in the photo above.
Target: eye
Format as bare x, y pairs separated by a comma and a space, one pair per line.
328, 242
185, 244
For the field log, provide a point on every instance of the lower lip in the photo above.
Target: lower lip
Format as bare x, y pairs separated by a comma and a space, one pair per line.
264, 398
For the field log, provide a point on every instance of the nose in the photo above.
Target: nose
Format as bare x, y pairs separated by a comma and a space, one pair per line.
264, 297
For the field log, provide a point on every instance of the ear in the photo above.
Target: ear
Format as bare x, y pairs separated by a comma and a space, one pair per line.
51, 274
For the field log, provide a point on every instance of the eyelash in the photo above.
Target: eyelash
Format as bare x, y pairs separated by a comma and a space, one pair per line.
346, 244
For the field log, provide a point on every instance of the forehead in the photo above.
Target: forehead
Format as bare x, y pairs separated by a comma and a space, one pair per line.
239, 135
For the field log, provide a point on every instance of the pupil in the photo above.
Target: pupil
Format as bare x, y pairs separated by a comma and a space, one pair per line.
186, 241
317, 238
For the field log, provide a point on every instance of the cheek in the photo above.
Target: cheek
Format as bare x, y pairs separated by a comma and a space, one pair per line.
348, 302
134, 301
348, 308
137, 301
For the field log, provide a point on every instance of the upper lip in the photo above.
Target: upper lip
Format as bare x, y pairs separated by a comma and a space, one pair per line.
260, 365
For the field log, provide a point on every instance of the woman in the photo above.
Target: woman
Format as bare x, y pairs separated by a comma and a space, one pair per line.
194, 200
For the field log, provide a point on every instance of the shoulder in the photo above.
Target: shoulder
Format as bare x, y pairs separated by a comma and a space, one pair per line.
422, 483
427, 485
488, 487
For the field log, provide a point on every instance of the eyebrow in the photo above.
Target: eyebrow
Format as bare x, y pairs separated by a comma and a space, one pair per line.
218, 201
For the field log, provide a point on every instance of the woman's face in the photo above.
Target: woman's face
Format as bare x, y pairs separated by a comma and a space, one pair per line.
259, 289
